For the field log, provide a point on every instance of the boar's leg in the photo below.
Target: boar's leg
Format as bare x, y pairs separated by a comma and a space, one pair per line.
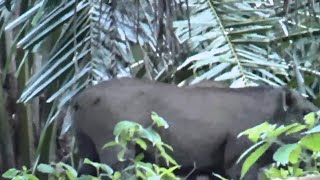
86, 149
231, 153
233, 149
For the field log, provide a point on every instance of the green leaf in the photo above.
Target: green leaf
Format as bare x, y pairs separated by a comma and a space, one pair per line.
156, 168
131, 131
280, 130
159, 120
140, 174
141, 143
71, 172
88, 161
295, 171
249, 150
311, 142
11, 173
147, 168
32, 177
310, 119
151, 135
281, 156
24, 168
110, 144
116, 176
106, 169
253, 157
165, 155
124, 126
273, 173
121, 154
139, 157
297, 128
45, 168
284, 173
295, 155
315, 129
169, 171
255, 132
167, 146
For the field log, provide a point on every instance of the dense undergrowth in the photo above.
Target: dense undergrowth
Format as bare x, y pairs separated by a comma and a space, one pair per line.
300, 158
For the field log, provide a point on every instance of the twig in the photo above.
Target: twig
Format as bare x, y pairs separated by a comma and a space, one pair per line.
194, 168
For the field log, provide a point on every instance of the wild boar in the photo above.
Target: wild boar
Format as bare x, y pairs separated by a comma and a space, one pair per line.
204, 123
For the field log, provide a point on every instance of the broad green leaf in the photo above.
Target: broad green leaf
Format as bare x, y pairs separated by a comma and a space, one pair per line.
295, 171
311, 142
310, 119
123, 126
141, 143
11, 173
45, 168
281, 156
284, 173
295, 155
159, 120
32, 177
144, 164
255, 133
151, 135
116, 176
273, 173
71, 172
252, 158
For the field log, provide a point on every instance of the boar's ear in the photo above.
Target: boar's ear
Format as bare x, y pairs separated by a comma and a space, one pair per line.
288, 98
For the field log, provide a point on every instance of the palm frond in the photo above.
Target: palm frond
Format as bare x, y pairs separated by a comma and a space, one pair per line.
97, 41
237, 41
